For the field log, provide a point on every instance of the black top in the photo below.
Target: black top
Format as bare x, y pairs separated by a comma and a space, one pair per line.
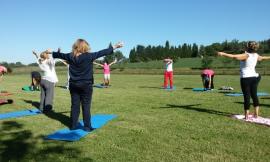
81, 67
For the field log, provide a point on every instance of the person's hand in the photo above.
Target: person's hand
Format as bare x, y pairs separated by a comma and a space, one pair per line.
118, 45
34, 52
48, 51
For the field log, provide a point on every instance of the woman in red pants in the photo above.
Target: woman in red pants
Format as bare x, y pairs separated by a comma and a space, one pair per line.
168, 74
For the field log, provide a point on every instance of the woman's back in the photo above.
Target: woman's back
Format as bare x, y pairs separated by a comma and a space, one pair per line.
247, 67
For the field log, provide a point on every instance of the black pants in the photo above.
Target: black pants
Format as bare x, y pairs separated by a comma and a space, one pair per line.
206, 81
249, 88
81, 93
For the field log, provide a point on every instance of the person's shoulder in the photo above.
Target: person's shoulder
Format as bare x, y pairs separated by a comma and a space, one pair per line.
87, 54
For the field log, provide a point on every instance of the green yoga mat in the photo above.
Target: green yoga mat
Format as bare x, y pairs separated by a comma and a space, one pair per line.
28, 89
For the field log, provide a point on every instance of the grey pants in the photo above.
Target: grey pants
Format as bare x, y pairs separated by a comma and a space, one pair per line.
46, 95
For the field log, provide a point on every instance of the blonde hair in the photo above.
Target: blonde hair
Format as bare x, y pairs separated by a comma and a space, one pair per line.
79, 47
44, 55
252, 46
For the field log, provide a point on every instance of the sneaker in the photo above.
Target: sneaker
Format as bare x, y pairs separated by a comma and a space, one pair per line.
48, 110
88, 129
73, 128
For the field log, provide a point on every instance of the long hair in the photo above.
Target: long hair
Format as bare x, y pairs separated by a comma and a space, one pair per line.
79, 47
252, 46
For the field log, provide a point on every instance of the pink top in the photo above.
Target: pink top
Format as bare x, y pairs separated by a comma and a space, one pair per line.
208, 72
3, 69
106, 69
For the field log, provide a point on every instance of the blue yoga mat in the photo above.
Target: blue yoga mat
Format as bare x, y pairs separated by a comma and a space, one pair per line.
74, 135
200, 89
169, 88
241, 94
20, 113
100, 86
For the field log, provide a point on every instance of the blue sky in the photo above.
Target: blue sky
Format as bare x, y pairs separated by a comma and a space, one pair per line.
42, 24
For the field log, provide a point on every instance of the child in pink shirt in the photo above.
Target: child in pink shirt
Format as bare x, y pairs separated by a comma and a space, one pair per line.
208, 78
3, 70
106, 71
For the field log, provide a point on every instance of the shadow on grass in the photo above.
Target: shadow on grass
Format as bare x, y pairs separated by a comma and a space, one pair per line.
187, 88
265, 98
198, 109
63, 87
265, 105
65, 120
150, 87
33, 103
226, 92
59, 116
19, 144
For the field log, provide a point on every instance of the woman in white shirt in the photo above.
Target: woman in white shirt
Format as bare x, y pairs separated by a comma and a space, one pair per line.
168, 73
47, 65
249, 77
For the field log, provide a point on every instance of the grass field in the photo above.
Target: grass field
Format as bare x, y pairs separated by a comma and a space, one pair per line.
152, 124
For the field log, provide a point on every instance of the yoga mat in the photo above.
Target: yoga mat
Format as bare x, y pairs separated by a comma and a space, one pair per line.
258, 120
5, 94
28, 89
241, 94
100, 86
16, 114
169, 88
74, 135
200, 89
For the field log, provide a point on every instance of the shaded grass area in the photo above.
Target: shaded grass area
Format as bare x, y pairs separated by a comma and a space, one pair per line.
152, 124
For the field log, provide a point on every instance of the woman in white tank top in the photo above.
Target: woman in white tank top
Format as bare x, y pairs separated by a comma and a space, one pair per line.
249, 77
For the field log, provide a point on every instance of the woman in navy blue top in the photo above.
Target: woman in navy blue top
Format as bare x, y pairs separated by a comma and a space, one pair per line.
81, 78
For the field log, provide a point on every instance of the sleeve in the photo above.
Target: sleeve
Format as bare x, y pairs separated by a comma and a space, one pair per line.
61, 55
96, 55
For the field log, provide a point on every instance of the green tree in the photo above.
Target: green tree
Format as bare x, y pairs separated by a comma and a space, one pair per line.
202, 51
195, 50
206, 62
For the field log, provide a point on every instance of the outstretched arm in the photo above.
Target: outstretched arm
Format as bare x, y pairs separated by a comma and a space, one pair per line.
168, 60
35, 54
105, 52
261, 58
37, 57
113, 62
59, 55
97, 64
239, 57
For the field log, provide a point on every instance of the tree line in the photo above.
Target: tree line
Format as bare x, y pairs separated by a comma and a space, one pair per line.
141, 53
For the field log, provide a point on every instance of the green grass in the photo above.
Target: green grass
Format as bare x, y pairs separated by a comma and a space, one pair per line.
152, 124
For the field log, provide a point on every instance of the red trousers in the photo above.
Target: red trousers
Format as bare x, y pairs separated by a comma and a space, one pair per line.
168, 75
